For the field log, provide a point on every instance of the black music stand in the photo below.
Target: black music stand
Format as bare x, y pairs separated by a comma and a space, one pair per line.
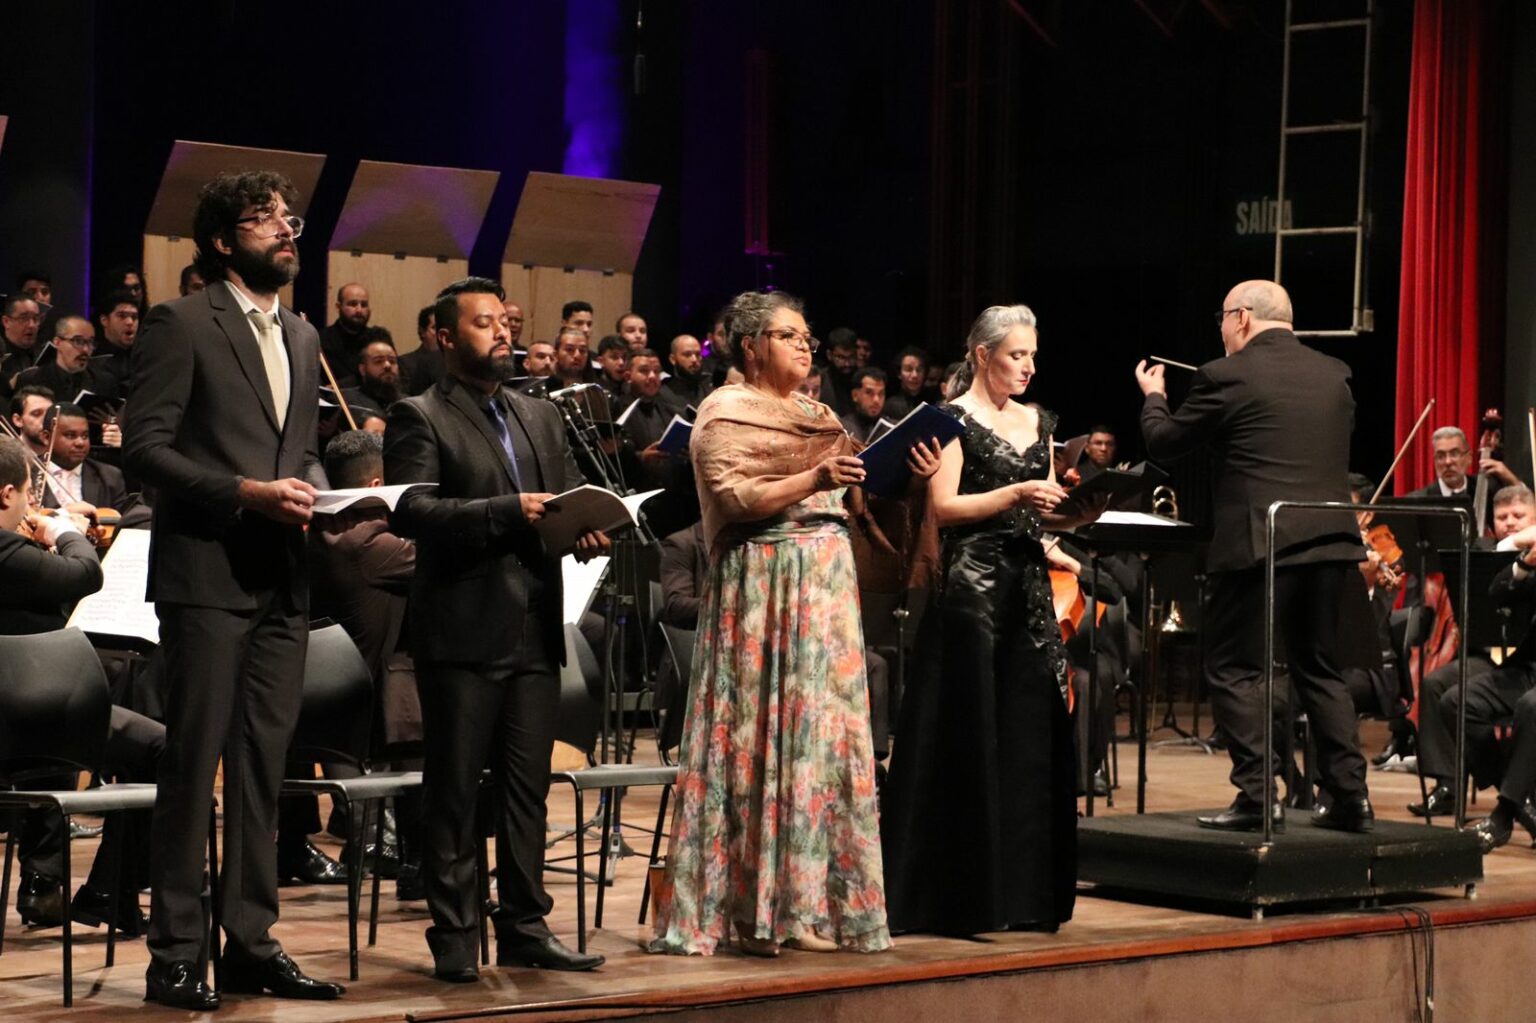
1145, 536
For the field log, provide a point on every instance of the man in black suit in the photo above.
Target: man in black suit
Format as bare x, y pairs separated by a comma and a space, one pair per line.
485, 626
77, 476
423, 367
1278, 416
222, 423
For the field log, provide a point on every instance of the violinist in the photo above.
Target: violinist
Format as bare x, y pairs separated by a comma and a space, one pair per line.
29, 415
1380, 692
42, 576
1513, 511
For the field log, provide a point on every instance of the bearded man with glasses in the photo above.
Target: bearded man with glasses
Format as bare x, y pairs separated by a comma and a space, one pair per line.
222, 423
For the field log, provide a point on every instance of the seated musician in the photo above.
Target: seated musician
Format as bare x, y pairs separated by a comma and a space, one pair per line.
1511, 691
41, 579
1513, 511
1385, 692
77, 477
360, 574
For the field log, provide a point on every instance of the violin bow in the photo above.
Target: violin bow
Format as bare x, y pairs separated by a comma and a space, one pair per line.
340, 400
1404, 450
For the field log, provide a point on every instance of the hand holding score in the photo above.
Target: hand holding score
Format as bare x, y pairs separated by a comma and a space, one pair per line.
923, 458
1150, 379
533, 506
592, 544
288, 501
839, 471
1044, 495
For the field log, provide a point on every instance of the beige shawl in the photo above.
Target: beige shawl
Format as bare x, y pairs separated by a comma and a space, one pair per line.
744, 440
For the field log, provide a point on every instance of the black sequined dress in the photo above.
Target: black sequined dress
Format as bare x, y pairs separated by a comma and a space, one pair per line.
979, 828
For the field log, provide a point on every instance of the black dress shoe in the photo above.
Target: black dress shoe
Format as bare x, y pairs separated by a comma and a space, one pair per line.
1491, 832
457, 974
39, 900
279, 975
310, 865
545, 954
92, 905
1243, 816
1352, 813
1441, 802
387, 863
179, 986
410, 886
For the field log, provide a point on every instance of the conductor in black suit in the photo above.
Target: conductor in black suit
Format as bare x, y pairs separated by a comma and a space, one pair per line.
1278, 416
485, 626
222, 423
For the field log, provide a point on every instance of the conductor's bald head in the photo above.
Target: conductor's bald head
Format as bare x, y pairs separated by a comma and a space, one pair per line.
1250, 308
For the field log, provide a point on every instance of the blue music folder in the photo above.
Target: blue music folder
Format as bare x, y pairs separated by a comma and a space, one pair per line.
885, 461
675, 440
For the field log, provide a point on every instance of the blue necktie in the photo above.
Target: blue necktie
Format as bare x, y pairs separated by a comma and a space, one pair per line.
499, 419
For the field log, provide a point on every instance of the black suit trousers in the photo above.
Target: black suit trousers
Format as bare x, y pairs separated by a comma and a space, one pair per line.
502, 716
236, 682
1307, 622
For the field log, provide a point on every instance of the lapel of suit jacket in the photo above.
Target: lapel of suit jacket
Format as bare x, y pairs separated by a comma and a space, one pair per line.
468, 405
227, 314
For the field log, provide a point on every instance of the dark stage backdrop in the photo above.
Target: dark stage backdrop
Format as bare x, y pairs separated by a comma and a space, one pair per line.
476, 85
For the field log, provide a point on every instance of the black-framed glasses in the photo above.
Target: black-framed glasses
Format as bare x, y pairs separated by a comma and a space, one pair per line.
267, 223
78, 341
796, 339
1223, 314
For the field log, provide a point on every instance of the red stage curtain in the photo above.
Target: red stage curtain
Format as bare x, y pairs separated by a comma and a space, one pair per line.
1450, 314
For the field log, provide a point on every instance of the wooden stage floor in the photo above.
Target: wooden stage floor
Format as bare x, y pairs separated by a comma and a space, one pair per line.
396, 982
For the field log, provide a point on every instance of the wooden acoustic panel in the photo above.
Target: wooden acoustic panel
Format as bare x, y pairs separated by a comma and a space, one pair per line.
397, 288
543, 290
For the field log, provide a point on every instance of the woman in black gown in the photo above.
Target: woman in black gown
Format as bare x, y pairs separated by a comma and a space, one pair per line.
980, 822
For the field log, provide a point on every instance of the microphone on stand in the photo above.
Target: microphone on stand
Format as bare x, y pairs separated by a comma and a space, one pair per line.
566, 392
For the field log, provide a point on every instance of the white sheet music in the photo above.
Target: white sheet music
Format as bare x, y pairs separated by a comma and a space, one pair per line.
580, 582
1130, 518
329, 502
119, 607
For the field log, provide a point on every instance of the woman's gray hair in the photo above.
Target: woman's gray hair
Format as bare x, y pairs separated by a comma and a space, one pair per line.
749, 314
993, 325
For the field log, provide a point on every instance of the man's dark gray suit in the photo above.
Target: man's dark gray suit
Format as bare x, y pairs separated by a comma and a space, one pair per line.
231, 592
486, 635
1278, 417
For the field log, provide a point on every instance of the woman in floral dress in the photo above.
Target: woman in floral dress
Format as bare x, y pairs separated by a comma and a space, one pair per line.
775, 833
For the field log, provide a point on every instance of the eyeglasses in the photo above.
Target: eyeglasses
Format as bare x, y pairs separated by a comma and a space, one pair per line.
1223, 314
78, 341
269, 223
800, 341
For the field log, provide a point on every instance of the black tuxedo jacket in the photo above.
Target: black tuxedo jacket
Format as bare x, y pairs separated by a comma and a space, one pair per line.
1278, 416
478, 561
38, 589
199, 419
100, 484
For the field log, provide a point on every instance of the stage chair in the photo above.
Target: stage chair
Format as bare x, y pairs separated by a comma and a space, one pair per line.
336, 726
55, 710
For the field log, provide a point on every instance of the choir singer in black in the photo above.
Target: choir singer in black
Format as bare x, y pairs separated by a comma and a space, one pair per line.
485, 626
1278, 416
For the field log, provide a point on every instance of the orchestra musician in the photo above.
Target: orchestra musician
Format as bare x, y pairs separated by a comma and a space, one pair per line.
1278, 415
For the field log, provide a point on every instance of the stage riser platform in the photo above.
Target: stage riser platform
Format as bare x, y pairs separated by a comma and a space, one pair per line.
1481, 973
1168, 855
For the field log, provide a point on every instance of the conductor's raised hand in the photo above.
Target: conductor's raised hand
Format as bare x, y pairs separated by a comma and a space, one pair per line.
533, 505
1149, 377
839, 471
289, 501
591, 545
923, 458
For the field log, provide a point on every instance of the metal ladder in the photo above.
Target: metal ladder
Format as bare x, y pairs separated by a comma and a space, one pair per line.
1362, 318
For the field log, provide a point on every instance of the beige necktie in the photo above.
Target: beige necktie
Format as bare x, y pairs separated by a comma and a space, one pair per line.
270, 340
